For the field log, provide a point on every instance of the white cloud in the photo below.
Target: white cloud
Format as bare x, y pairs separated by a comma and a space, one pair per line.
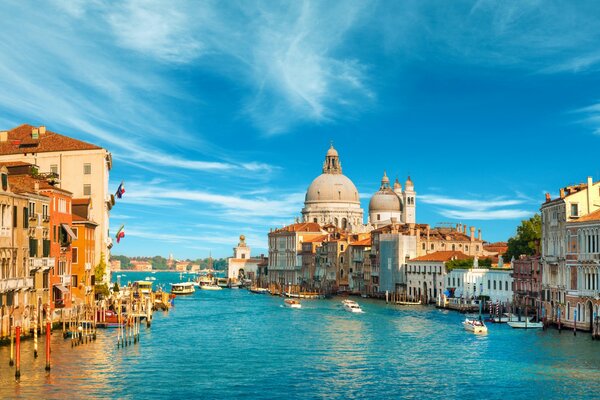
474, 204
485, 214
477, 209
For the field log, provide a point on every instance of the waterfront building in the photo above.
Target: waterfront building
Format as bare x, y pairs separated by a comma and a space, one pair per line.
285, 246
115, 265
242, 265
83, 253
573, 202
308, 256
527, 279
40, 263
359, 260
79, 167
426, 275
15, 278
582, 267
471, 283
141, 265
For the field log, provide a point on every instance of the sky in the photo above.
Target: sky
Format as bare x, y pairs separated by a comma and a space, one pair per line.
219, 114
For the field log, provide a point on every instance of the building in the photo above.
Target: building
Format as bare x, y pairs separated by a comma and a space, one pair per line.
469, 284
527, 280
388, 206
360, 265
141, 265
115, 265
15, 279
81, 168
426, 275
573, 203
285, 247
242, 265
582, 268
83, 260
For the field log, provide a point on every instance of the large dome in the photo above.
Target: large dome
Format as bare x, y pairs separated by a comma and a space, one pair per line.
332, 188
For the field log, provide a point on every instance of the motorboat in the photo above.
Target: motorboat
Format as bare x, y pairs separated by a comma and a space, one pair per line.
409, 303
292, 303
183, 288
474, 325
351, 306
259, 290
509, 317
526, 324
150, 278
211, 286
223, 282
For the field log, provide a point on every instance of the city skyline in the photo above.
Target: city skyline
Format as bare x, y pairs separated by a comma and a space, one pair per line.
219, 118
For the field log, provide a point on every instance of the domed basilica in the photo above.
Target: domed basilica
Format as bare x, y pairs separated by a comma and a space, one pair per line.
332, 198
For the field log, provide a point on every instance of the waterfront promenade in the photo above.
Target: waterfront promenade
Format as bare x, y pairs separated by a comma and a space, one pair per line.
233, 343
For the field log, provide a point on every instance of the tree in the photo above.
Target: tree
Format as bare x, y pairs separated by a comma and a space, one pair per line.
100, 269
125, 261
527, 240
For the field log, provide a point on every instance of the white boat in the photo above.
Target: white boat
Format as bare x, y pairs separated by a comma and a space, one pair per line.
508, 317
474, 325
525, 324
292, 303
351, 306
409, 303
183, 288
211, 286
259, 290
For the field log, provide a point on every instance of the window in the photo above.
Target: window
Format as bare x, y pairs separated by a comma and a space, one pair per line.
5, 182
73, 280
45, 248
87, 190
33, 247
75, 231
423, 246
87, 169
31, 208
489, 284
494, 285
243, 256
25, 217
432, 246
378, 217
45, 211
54, 168
342, 247
74, 255
14, 216
574, 210
506, 285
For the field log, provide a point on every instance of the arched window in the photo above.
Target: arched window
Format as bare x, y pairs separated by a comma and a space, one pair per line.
344, 223
315, 220
453, 247
335, 222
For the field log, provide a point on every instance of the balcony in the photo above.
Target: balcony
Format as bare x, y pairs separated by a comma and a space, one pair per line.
66, 280
11, 284
583, 293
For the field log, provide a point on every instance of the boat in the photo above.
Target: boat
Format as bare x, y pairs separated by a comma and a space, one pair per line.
204, 280
474, 325
259, 290
508, 317
292, 303
409, 303
143, 287
150, 278
110, 319
526, 324
211, 286
223, 282
183, 288
351, 306
234, 285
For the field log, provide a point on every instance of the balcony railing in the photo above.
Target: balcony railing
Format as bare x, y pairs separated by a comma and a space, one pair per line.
11, 284
583, 293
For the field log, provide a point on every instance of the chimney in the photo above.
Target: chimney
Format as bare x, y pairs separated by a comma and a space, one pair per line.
465, 229
3, 136
548, 198
42, 129
458, 227
479, 234
472, 229
562, 193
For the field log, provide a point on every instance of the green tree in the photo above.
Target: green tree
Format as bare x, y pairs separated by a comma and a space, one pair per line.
125, 261
100, 269
527, 240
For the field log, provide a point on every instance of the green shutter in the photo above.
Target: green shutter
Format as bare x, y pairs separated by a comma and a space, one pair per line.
25, 217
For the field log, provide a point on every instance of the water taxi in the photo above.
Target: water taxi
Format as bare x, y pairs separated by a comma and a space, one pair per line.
183, 288
351, 306
474, 325
292, 303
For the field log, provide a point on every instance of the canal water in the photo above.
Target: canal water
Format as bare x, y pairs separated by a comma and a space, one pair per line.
232, 343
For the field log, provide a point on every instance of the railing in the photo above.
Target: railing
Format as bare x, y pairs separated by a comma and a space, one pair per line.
583, 293
10, 284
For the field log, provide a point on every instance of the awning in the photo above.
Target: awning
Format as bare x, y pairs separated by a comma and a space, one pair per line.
61, 288
69, 231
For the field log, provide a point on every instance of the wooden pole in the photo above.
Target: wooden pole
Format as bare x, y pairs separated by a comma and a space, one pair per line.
18, 356
11, 362
48, 345
35, 335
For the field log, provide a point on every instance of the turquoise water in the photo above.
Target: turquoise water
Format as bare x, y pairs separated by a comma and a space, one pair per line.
233, 343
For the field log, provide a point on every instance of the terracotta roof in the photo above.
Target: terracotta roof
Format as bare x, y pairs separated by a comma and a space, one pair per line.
594, 216
363, 242
81, 202
316, 239
498, 247
26, 184
442, 256
14, 163
20, 141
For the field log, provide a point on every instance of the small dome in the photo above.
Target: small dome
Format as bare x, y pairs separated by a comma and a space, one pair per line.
397, 185
332, 188
385, 200
332, 152
385, 181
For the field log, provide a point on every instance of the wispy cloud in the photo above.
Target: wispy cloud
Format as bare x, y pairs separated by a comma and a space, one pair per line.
476, 209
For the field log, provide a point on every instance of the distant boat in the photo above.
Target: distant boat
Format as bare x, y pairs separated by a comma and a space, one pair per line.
409, 303
351, 306
474, 325
259, 290
183, 288
292, 303
211, 286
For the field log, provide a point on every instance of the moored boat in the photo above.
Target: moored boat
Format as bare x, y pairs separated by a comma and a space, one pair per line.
292, 303
474, 325
211, 286
526, 324
351, 306
259, 290
409, 303
183, 288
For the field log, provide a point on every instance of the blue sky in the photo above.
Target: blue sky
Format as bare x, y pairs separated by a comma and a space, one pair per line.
219, 114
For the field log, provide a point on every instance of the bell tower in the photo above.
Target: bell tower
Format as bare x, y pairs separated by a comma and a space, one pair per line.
409, 197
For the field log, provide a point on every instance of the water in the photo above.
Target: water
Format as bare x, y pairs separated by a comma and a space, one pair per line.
233, 343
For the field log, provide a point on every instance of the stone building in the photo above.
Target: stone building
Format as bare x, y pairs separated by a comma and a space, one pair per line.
242, 265
527, 280
83, 260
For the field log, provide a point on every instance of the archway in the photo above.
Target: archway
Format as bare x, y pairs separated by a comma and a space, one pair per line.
241, 274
